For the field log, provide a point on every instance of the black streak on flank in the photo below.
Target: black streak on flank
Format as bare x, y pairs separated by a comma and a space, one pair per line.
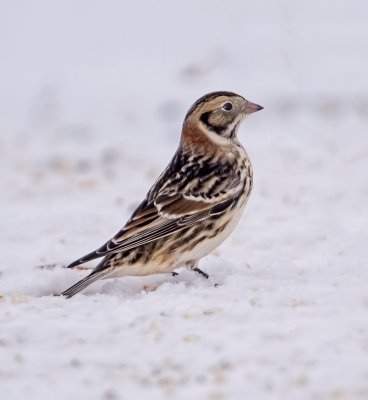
205, 119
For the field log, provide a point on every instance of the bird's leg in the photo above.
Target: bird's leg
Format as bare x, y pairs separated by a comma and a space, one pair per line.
196, 269
194, 266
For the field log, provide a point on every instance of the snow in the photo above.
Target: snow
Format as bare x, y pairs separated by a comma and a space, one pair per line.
92, 98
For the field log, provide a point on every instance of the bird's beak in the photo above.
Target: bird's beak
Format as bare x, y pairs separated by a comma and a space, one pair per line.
250, 108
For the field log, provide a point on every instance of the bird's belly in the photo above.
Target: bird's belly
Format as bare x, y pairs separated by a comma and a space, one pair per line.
209, 243
143, 269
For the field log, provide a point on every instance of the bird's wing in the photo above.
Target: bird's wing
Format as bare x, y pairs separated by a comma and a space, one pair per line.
151, 224
170, 206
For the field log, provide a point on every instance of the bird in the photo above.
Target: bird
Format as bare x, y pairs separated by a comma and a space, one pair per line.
194, 204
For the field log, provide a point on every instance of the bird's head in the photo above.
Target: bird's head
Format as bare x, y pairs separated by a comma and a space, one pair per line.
219, 114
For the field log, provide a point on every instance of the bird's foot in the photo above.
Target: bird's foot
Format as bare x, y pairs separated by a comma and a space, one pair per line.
174, 273
196, 269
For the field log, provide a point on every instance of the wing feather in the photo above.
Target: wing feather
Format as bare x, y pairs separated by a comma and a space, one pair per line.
154, 230
167, 210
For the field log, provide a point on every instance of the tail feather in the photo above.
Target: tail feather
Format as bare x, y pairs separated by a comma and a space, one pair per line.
83, 283
84, 259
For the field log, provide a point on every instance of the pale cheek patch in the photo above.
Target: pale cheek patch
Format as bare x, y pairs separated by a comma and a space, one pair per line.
216, 138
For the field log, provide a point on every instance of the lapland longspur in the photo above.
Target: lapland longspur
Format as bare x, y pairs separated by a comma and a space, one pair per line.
195, 203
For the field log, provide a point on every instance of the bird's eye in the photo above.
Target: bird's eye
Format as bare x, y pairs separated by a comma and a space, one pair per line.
227, 106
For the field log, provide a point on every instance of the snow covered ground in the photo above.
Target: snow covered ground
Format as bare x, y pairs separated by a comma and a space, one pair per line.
92, 98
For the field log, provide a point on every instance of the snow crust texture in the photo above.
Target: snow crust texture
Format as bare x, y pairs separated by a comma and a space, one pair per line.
92, 100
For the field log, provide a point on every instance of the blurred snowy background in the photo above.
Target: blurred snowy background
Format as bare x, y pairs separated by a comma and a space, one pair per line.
92, 98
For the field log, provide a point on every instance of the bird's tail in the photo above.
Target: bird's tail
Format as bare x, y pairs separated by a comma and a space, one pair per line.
83, 283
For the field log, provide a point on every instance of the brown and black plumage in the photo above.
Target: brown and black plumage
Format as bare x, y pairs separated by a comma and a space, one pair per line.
195, 203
